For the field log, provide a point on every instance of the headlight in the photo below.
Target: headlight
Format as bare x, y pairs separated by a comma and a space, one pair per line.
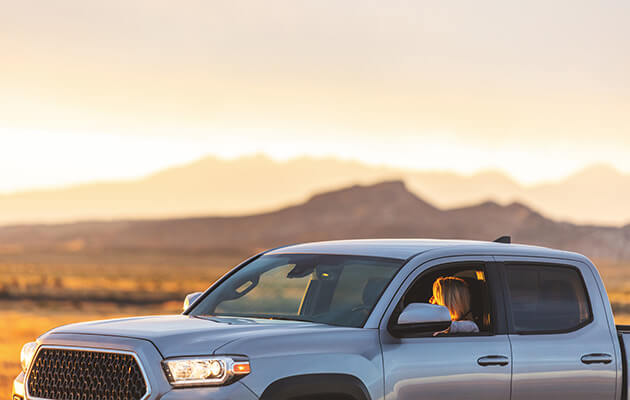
202, 371
27, 354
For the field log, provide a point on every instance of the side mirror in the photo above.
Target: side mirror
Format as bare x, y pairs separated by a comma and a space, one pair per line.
190, 298
419, 318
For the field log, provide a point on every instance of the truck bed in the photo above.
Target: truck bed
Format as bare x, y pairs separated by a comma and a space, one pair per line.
623, 328
623, 331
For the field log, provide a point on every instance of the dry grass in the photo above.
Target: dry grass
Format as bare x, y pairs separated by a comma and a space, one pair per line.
41, 291
25, 326
115, 277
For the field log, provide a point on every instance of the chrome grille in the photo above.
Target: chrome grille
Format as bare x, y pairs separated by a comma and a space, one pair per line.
73, 374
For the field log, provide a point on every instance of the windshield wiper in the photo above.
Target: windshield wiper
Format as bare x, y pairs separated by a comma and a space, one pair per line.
209, 318
261, 316
291, 319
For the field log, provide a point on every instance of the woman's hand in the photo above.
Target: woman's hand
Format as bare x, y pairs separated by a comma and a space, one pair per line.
444, 332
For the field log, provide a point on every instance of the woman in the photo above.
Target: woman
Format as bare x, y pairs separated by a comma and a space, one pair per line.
453, 293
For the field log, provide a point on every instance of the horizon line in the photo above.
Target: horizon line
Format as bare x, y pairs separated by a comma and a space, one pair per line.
282, 160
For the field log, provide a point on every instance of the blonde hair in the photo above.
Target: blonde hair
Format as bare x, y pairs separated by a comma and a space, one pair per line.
453, 293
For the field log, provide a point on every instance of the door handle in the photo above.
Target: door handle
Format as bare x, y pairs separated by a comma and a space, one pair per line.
597, 358
493, 360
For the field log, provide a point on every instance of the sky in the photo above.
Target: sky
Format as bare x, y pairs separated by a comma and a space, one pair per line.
118, 89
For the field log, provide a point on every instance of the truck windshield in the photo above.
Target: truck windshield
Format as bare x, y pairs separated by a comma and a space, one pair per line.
330, 289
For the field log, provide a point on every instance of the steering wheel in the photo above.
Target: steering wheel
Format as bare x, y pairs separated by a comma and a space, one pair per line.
361, 307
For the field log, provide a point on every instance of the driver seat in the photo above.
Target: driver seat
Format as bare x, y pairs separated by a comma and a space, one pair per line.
372, 291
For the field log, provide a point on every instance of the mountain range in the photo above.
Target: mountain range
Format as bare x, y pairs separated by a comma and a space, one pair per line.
383, 210
212, 186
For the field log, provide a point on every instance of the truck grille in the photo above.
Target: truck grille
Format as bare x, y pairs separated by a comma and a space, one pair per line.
69, 374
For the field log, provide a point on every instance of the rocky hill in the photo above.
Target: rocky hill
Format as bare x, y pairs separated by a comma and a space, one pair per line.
249, 185
383, 210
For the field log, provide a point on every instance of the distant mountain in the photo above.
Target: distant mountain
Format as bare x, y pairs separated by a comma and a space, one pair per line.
211, 186
598, 194
383, 210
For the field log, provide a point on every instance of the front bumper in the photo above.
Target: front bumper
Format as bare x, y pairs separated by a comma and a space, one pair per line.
18, 387
234, 391
151, 360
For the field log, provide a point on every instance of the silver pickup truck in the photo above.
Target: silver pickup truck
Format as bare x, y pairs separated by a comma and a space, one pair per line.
353, 320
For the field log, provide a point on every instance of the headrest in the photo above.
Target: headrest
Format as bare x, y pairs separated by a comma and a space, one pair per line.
372, 290
558, 307
558, 291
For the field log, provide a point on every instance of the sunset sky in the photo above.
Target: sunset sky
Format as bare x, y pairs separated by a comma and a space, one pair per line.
117, 89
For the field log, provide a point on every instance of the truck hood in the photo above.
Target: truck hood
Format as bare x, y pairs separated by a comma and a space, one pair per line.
182, 335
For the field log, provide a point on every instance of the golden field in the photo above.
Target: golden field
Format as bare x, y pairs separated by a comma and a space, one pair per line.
41, 291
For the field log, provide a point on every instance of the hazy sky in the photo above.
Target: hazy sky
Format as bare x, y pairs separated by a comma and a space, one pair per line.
119, 88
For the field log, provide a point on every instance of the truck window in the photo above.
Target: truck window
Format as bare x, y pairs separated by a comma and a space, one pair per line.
547, 299
323, 288
475, 277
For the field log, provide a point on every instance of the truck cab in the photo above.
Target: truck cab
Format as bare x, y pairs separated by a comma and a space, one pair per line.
353, 320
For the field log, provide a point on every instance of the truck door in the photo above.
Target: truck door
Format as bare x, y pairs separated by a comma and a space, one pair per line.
465, 366
560, 336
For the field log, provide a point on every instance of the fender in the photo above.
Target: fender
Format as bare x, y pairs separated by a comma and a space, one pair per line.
327, 386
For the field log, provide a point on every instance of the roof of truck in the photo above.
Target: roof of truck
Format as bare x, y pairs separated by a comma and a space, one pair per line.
406, 248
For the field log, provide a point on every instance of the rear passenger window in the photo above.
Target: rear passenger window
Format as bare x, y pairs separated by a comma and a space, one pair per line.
547, 299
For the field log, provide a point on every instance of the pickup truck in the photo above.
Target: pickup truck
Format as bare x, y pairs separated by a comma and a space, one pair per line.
352, 320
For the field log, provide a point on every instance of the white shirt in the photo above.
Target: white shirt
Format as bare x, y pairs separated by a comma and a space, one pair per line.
463, 327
